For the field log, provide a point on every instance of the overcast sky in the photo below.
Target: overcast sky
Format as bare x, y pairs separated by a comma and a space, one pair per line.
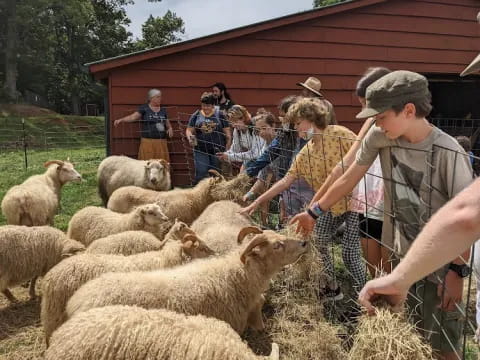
203, 17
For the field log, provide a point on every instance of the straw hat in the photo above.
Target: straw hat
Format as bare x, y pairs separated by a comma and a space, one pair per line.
312, 84
473, 67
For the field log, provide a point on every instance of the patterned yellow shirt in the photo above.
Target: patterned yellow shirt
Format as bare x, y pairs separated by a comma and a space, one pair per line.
315, 161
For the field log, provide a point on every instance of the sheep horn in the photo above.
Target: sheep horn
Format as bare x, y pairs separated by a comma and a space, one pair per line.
189, 237
58, 162
165, 163
257, 240
247, 230
275, 354
216, 174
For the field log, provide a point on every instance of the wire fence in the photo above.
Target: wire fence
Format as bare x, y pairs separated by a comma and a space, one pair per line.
415, 189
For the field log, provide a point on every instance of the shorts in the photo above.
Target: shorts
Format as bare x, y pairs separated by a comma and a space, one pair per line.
370, 228
442, 329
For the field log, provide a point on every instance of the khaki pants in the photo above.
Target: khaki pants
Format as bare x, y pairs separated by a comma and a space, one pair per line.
153, 149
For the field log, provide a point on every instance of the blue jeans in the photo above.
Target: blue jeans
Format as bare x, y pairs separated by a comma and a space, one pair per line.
203, 163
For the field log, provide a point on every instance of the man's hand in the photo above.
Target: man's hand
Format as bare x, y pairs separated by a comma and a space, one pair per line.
305, 223
222, 156
387, 288
250, 208
117, 122
170, 132
452, 294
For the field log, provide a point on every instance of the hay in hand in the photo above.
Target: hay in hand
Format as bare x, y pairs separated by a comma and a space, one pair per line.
388, 336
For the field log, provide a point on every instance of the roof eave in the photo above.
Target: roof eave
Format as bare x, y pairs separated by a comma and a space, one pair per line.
100, 68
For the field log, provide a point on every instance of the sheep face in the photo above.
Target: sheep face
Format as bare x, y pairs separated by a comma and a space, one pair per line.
155, 171
152, 214
66, 172
274, 249
195, 248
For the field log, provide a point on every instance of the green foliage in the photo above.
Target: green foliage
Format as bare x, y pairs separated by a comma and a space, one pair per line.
57, 37
161, 30
320, 3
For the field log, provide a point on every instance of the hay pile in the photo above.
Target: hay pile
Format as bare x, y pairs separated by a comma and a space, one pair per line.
388, 336
294, 314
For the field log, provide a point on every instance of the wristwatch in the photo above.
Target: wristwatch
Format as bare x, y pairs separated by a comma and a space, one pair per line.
462, 270
315, 211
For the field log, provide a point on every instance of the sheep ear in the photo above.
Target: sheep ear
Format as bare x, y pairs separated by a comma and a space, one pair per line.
246, 231
165, 163
143, 211
148, 163
251, 247
58, 162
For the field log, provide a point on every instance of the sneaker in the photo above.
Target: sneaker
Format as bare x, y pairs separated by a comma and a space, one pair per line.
331, 295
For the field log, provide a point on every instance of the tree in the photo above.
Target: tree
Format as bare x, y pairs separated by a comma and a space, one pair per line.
320, 3
11, 51
161, 30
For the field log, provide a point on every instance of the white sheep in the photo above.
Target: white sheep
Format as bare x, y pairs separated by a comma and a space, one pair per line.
135, 242
29, 252
228, 288
63, 280
183, 204
35, 202
220, 226
92, 223
117, 171
130, 332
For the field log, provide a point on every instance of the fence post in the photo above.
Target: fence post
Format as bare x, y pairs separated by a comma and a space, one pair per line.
24, 144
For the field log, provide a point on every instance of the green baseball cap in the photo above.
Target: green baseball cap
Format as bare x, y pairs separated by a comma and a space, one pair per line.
396, 88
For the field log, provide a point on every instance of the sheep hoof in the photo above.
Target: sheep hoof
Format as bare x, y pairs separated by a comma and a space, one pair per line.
9, 296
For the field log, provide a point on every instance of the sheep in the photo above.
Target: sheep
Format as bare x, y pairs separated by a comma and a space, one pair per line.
117, 171
227, 287
29, 252
135, 242
63, 280
35, 201
184, 204
220, 225
130, 332
92, 223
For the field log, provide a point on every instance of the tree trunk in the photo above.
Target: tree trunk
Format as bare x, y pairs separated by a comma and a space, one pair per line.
76, 104
11, 51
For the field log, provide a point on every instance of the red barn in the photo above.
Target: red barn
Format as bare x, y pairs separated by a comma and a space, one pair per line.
261, 63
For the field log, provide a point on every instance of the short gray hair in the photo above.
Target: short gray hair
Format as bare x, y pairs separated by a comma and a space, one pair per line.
152, 93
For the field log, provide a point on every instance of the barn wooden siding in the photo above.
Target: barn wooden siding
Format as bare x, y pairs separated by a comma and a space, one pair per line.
261, 67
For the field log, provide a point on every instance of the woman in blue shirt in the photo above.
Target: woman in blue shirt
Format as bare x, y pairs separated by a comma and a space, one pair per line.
155, 127
208, 133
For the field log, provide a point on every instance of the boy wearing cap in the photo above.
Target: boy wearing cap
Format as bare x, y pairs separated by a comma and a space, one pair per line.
422, 169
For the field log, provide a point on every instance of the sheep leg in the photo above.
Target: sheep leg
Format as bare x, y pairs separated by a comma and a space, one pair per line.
32, 288
255, 317
9, 296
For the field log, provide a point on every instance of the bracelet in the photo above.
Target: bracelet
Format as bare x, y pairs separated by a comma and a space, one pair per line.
312, 214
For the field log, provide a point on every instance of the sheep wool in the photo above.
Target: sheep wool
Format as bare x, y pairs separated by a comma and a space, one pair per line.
92, 223
63, 280
130, 332
135, 242
228, 288
29, 252
183, 204
117, 171
220, 225
35, 201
